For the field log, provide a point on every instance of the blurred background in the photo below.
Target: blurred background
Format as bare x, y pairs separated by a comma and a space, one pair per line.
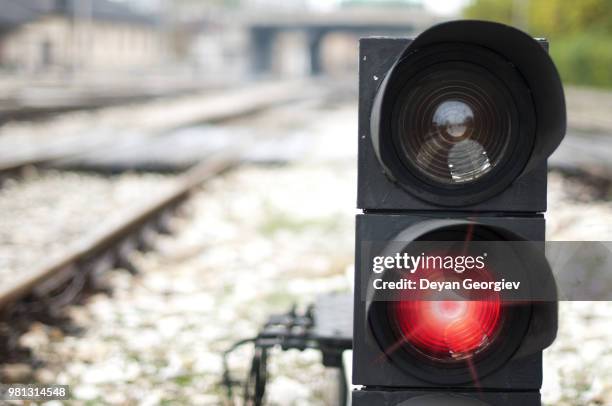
106, 106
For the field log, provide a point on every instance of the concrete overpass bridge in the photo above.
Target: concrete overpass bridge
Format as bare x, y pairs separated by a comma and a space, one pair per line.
265, 28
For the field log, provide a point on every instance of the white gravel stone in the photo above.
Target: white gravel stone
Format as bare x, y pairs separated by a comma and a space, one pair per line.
45, 213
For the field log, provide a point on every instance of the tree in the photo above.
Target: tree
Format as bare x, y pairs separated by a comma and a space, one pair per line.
580, 32
554, 18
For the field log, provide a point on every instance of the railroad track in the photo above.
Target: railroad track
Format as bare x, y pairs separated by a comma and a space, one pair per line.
157, 121
16, 168
35, 102
109, 247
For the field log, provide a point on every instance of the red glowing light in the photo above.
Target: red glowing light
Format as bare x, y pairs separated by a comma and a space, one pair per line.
448, 329
448, 325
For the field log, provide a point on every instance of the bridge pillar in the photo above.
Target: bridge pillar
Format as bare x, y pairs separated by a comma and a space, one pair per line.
262, 43
315, 38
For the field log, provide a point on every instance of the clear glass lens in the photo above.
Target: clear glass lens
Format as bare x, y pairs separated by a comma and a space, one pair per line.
454, 126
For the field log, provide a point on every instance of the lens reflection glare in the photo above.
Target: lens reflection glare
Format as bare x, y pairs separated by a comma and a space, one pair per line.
453, 118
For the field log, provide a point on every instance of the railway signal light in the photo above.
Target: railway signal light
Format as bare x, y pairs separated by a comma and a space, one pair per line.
455, 128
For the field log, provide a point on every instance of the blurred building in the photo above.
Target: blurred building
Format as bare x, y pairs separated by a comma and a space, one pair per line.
77, 35
284, 38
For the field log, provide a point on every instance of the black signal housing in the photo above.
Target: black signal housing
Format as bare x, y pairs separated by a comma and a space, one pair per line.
529, 90
455, 129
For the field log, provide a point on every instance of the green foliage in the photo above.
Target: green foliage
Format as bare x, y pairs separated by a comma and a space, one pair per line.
493, 10
580, 32
584, 59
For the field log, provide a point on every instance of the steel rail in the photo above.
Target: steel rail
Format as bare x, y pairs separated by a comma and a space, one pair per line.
115, 234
